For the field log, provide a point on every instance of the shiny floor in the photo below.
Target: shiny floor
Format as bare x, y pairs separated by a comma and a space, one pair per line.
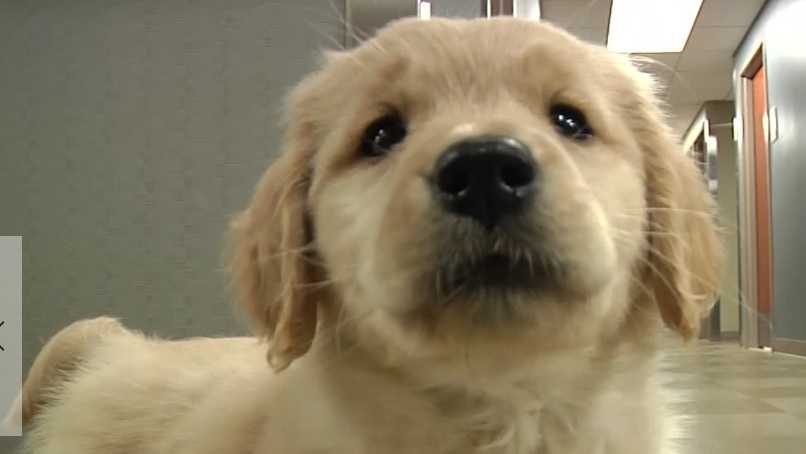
727, 399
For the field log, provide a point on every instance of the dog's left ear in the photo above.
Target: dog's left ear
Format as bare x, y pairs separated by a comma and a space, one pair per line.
270, 270
272, 262
275, 268
685, 251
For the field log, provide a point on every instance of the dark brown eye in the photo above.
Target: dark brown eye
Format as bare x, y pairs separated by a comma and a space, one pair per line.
382, 135
570, 122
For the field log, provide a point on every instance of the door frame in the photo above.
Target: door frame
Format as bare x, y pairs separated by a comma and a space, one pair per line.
748, 273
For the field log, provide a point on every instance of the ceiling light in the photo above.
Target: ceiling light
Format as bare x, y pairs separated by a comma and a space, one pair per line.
651, 26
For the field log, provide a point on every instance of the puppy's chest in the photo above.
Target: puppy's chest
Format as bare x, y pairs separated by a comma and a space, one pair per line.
504, 433
525, 425
509, 423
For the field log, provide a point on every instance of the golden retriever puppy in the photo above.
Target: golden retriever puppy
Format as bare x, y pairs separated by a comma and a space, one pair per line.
467, 245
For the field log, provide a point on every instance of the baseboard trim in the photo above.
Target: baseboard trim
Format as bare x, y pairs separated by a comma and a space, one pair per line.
791, 346
729, 336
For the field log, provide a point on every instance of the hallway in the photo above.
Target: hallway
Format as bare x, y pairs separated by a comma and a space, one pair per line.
729, 400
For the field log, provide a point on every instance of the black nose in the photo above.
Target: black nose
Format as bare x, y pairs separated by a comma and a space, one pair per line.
486, 178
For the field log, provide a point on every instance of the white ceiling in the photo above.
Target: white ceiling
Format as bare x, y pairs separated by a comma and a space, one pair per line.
700, 73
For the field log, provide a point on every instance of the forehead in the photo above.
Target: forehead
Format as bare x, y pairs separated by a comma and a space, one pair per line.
469, 58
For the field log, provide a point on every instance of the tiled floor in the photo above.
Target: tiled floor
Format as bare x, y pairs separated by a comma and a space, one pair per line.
731, 400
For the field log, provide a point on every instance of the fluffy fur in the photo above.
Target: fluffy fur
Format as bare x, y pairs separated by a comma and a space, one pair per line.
338, 260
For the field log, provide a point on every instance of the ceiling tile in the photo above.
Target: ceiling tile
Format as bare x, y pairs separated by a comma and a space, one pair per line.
715, 38
728, 13
576, 13
690, 87
705, 61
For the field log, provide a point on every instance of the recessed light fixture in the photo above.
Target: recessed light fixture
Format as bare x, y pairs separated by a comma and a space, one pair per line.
651, 26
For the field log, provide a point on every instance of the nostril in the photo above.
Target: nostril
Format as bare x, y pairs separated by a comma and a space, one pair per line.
517, 175
454, 182
454, 178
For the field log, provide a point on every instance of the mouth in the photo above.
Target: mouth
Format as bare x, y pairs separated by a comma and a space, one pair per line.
497, 274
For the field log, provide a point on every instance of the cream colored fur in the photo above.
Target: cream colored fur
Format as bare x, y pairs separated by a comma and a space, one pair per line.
333, 256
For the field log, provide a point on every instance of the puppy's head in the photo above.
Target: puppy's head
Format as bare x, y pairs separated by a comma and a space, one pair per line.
489, 186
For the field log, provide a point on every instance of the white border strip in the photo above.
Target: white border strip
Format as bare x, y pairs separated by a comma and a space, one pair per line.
10, 334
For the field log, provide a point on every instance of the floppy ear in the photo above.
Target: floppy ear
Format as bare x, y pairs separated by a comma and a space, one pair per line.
275, 268
270, 255
685, 254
